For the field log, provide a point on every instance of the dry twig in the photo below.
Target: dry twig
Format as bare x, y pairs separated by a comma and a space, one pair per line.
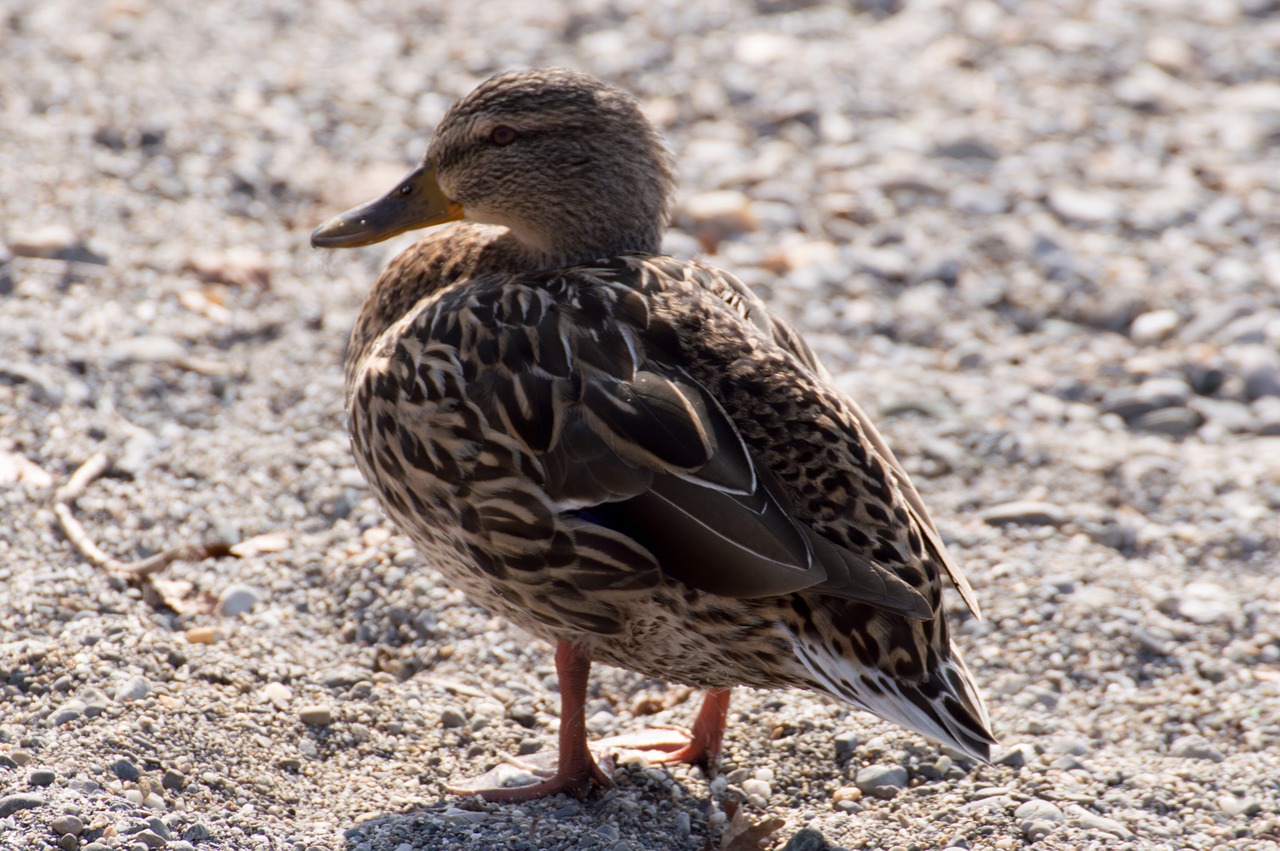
141, 571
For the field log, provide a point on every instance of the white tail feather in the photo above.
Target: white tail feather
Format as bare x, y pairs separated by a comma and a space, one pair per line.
955, 716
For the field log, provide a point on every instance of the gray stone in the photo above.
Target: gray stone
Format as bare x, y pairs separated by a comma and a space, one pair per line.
159, 828
523, 715
343, 676
11, 804
873, 777
238, 600
452, 717
173, 779
1039, 810
1195, 747
1175, 422
1152, 395
150, 839
134, 688
68, 712
1017, 756
196, 833
67, 825
1024, 513
41, 777
807, 839
846, 743
125, 770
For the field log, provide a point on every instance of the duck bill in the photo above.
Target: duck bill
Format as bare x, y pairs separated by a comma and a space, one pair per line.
416, 202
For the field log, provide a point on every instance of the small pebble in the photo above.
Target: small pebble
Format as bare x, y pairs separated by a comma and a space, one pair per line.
601, 722
1079, 207
1016, 756
524, 716
134, 688
196, 833
1206, 603
846, 743
67, 825
1154, 326
150, 839
846, 793
203, 635
1195, 747
1025, 513
569, 810
159, 828
317, 715
872, 778
173, 779
238, 600
1038, 810
68, 712
41, 777
452, 717
125, 770
758, 792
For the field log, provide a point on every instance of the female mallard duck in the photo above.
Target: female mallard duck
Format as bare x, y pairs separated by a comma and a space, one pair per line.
625, 453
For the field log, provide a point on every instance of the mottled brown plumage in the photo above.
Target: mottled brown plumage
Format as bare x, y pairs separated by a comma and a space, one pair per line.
625, 453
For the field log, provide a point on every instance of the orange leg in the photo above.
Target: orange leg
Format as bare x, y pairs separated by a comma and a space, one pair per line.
700, 746
576, 772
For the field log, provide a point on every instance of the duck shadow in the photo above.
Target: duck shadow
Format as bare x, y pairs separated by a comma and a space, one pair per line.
645, 812
649, 809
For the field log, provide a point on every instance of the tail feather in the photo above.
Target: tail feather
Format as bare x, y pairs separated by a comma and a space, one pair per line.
945, 708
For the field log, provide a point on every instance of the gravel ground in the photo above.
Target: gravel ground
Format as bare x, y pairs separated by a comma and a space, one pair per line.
1038, 239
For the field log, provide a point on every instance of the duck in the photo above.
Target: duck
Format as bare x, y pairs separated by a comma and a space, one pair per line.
627, 454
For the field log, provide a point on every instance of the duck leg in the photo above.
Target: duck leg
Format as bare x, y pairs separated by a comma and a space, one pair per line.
577, 771
699, 746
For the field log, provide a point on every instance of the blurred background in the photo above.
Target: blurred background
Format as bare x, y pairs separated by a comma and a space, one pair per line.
1039, 240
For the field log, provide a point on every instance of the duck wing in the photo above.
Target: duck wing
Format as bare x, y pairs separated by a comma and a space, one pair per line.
573, 367
742, 300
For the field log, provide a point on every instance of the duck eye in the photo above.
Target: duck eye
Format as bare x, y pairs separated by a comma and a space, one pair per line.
406, 189
502, 135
